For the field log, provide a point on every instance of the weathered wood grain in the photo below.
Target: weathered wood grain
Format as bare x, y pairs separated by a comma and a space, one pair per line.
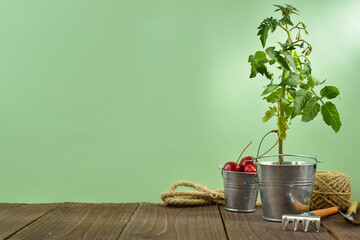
253, 226
340, 228
80, 221
14, 217
154, 221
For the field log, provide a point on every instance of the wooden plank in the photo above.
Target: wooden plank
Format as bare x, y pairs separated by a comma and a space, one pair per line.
337, 226
81, 221
155, 221
253, 226
14, 217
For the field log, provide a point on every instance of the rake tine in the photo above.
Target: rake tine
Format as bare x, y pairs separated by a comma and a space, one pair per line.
317, 226
285, 222
306, 225
297, 218
296, 224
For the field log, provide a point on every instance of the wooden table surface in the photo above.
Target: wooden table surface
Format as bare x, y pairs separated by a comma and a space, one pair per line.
153, 221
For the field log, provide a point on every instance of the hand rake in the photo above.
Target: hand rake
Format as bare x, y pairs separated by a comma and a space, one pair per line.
307, 217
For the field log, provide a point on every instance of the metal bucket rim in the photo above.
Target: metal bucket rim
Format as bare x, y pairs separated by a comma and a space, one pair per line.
238, 172
288, 155
286, 164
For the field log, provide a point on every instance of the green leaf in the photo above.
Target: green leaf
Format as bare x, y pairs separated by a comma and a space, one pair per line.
253, 66
306, 70
289, 47
258, 65
269, 89
302, 97
263, 70
282, 44
331, 116
253, 71
282, 127
292, 92
269, 114
273, 97
263, 33
311, 82
292, 80
311, 110
319, 83
251, 58
301, 77
281, 61
260, 58
286, 11
329, 92
274, 24
291, 8
286, 46
270, 52
280, 8
265, 26
290, 59
288, 109
283, 9
304, 86
284, 101
286, 20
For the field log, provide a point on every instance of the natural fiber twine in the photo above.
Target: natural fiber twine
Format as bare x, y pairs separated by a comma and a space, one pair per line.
331, 189
202, 196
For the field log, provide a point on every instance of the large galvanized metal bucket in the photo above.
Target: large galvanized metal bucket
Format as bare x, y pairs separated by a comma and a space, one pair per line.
286, 188
241, 191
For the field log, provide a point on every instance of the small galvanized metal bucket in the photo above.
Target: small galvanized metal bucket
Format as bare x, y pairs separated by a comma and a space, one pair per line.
286, 188
241, 191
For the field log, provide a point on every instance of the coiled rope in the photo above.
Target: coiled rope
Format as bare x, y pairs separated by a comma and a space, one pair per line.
202, 195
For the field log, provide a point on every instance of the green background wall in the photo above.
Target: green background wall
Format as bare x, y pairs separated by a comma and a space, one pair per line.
113, 101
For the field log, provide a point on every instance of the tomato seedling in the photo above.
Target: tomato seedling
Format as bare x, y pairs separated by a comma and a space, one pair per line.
294, 94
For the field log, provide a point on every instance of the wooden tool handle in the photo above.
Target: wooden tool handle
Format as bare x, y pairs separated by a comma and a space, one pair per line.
326, 211
353, 207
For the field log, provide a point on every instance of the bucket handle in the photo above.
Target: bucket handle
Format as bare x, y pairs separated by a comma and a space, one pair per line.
290, 155
221, 169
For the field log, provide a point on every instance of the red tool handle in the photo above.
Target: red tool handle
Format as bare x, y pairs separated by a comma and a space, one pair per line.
326, 211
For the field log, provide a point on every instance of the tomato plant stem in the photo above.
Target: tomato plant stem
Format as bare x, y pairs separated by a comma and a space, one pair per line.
281, 115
